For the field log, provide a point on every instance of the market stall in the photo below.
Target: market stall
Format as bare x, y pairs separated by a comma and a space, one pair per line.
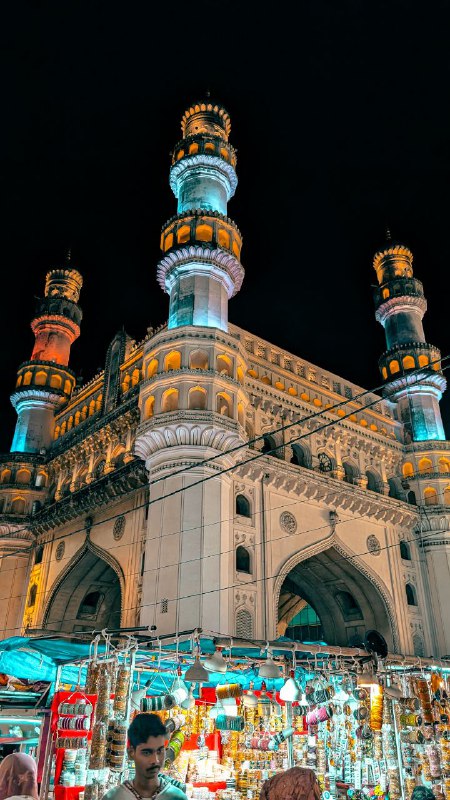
371, 724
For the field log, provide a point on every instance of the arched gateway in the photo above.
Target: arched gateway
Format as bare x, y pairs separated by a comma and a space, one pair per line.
87, 595
327, 598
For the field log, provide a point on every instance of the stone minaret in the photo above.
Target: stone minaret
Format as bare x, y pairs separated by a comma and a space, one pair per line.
192, 399
201, 267
45, 382
400, 306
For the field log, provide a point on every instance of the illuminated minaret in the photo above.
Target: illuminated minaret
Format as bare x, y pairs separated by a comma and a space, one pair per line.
201, 267
45, 382
400, 307
193, 399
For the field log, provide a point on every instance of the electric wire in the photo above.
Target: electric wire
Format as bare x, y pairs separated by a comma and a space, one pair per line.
178, 598
254, 457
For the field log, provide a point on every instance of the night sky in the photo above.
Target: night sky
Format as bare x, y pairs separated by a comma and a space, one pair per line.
340, 115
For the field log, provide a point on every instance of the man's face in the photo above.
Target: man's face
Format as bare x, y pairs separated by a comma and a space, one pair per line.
149, 757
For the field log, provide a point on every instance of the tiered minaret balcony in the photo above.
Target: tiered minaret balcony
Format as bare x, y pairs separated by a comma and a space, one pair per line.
410, 366
398, 361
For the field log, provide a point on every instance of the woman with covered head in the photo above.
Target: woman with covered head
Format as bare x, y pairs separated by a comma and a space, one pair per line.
18, 777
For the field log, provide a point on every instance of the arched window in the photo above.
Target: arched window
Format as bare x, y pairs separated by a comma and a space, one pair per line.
240, 375
6, 476
423, 361
149, 408
172, 361
152, 368
224, 365
408, 362
39, 555
374, 483
405, 551
27, 378
223, 404
23, 476
394, 366
32, 596
67, 387
411, 497
204, 233
408, 470
270, 447
183, 234
411, 597
91, 409
169, 401
197, 399
244, 624
351, 472
301, 456
242, 560
396, 489
40, 378
126, 383
198, 359
444, 465
56, 381
135, 377
18, 506
430, 496
90, 604
425, 466
243, 506
98, 402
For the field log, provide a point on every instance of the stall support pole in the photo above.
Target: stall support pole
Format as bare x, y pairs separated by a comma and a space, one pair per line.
289, 741
398, 746
45, 782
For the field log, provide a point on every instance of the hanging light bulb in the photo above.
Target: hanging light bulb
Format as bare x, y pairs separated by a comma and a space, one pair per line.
138, 695
216, 662
290, 692
196, 673
190, 699
249, 699
268, 668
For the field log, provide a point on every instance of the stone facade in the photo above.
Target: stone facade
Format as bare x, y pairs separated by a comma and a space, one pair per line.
208, 478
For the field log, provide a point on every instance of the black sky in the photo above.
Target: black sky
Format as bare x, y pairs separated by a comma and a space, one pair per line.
341, 117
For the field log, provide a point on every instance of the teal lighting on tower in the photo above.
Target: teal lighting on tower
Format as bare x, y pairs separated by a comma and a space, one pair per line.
201, 269
410, 366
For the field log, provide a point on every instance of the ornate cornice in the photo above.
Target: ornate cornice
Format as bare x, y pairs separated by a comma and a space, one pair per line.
184, 428
114, 485
201, 255
208, 162
317, 487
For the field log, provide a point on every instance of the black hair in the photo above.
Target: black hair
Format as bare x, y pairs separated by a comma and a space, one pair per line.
143, 726
422, 793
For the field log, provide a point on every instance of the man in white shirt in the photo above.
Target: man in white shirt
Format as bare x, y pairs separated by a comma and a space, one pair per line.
147, 748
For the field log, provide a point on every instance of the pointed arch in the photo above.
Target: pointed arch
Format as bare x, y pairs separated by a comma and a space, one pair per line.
89, 548
334, 543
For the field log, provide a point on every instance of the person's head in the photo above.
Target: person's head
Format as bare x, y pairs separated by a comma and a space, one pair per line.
422, 793
18, 775
147, 744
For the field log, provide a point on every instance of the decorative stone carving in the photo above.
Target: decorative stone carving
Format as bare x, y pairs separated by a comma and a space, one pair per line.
373, 545
119, 528
288, 522
59, 552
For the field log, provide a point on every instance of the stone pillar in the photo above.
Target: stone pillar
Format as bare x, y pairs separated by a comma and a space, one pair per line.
14, 574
